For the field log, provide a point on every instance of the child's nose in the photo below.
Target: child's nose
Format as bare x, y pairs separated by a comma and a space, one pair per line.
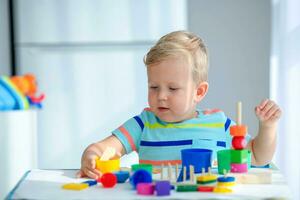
162, 95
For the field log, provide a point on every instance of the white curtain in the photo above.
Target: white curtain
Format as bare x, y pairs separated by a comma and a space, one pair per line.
285, 87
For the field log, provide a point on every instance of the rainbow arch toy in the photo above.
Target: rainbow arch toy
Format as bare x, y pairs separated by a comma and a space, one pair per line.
17, 93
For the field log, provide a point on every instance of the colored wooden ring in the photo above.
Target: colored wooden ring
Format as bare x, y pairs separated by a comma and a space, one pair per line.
162, 188
238, 130
226, 179
140, 176
239, 167
226, 184
238, 142
186, 188
205, 188
222, 190
122, 176
147, 167
108, 180
145, 188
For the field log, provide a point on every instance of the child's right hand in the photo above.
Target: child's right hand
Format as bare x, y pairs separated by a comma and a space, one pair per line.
88, 166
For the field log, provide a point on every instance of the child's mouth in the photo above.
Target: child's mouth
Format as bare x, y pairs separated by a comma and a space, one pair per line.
163, 109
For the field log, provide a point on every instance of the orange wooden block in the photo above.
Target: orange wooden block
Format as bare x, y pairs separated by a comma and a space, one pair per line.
238, 130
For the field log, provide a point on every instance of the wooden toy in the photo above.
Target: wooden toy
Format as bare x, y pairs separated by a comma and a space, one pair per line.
162, 188
184, 173
162, 172
239, 156
224, 160
75, 186
122, 176
224, 184
192, 174
108, 153
205, 188
226, 181
169, 172
145, 188
187, 188
206, 178
147, 167
239, 142
176, 171
105, 166
90, 182
239, 129
222, 190
108, 180
239, 167
256, 177
140, 176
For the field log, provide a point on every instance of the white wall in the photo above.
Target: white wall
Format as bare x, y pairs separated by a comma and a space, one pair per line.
237, 34
4, 39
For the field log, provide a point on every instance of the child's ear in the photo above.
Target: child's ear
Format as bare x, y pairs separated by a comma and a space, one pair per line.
202, 89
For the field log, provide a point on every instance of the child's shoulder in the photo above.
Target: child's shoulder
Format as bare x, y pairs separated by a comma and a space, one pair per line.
216, 114
147, 115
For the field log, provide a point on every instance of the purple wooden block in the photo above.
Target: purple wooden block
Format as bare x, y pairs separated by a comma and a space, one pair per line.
162, 188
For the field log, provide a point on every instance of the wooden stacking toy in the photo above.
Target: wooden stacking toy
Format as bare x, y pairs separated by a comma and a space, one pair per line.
206, 178
239, 155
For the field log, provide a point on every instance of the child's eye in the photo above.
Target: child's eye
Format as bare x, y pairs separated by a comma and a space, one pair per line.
173, 89
153, 87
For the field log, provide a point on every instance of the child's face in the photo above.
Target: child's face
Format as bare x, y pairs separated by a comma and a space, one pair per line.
171, 90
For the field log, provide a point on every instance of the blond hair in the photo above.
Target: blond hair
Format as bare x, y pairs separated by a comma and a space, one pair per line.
181, 43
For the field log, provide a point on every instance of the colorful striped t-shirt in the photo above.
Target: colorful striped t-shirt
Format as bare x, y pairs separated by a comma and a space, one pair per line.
158, 142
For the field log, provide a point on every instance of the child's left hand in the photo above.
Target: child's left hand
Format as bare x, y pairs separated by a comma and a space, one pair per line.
268, 113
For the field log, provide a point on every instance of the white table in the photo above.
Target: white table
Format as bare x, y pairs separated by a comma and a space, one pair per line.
46, 184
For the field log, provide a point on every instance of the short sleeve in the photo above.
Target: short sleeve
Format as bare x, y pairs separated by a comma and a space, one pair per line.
130, 132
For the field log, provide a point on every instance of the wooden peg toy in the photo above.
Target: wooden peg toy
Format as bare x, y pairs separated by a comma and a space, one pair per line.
192, 173
169, 172
176, 172
239, 129
109, 153
206, 178
162, 172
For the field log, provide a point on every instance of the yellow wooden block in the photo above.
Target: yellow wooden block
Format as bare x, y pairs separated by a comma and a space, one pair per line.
75, 186
226, 184
222, 190
205, 178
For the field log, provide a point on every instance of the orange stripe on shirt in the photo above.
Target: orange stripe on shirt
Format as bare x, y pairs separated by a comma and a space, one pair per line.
128, 136
159, 162
147, 109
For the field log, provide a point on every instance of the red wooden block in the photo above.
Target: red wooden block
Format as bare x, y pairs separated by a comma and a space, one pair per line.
239, 142
205, 188
108, 180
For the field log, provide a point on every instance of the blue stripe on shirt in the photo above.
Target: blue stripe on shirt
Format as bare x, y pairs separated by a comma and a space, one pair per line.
221, 144
139, 121
227, 123
166, 143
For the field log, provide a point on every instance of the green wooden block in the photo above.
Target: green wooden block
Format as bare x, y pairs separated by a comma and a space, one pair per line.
187, 188
224, 160
147, 167
206, 182
239, 156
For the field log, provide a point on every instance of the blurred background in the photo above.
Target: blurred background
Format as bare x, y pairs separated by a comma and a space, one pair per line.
87, 56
